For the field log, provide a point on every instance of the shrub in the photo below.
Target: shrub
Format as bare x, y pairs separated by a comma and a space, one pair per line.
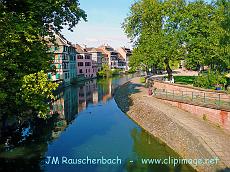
132, 70
209, 80
142, 80
116, 71
105, 72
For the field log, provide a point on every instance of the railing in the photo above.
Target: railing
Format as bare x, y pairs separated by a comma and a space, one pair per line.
206, 99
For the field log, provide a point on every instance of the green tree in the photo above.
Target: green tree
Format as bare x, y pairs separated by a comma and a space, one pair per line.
206, 36
140, 25
23, 49
167, 31
35, 89
105, 72
157, 34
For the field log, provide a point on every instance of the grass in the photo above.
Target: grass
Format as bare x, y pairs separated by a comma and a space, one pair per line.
184, 79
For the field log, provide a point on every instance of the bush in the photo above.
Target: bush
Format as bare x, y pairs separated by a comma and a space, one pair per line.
132, 70
142, 80
105, 72
210, 80
116, 71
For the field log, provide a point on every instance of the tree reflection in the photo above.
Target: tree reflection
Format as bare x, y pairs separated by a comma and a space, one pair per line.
24, 142
146, 146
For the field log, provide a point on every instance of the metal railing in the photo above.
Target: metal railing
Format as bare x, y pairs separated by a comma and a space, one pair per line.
206, 99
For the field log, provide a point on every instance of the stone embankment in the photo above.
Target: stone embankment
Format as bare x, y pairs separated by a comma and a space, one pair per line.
190, 136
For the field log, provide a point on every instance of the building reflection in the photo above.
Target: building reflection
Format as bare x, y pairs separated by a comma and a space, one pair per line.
26, 145
74, 99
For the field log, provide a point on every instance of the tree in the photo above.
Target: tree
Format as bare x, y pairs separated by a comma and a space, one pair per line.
143, 20
206, 35
35, 89
23, 50
166, 31
105, 72
157, 33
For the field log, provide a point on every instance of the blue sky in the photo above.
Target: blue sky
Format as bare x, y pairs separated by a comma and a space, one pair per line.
104, 23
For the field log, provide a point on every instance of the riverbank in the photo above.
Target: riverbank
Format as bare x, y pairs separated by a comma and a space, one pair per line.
189, 136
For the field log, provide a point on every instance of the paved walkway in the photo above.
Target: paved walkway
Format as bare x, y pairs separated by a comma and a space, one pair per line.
177, 72
214, 138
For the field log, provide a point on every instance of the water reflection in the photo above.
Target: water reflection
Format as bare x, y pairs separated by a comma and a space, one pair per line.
75, 99
86, 122
147, 146
23, 146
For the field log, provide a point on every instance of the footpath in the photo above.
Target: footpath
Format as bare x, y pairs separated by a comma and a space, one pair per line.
190, 136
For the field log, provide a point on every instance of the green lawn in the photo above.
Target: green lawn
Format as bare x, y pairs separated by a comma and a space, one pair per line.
184, 79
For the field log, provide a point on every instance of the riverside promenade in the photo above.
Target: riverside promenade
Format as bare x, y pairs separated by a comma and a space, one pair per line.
190, 136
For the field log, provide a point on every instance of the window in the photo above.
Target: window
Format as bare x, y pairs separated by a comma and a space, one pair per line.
66, 75
59, 56
80, 71
49, 76
65, 57
87, 64
87, 56
86, 71
65, 48
52, 66
65, 65
79, 57
80, 64
57, 75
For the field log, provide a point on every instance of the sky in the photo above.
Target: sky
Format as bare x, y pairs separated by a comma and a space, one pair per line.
104, 24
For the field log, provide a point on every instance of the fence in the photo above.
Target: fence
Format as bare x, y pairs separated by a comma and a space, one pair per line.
212, 100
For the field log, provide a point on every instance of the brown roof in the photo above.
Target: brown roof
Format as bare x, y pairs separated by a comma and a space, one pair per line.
89, 49
79, 49
94, 50
127, 50
120, 57
59, 40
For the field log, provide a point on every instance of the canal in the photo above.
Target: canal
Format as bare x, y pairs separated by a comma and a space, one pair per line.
88, 123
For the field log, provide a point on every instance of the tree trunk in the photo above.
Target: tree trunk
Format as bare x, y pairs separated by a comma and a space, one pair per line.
146, 70
154, 70
169, 70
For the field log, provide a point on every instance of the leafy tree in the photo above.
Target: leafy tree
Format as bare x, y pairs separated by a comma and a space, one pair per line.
143, 20
35, 89
157, 33
105, 72
23, 51
167, 31
207, 39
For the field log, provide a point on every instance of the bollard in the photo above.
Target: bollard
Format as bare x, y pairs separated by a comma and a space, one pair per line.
150, 92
